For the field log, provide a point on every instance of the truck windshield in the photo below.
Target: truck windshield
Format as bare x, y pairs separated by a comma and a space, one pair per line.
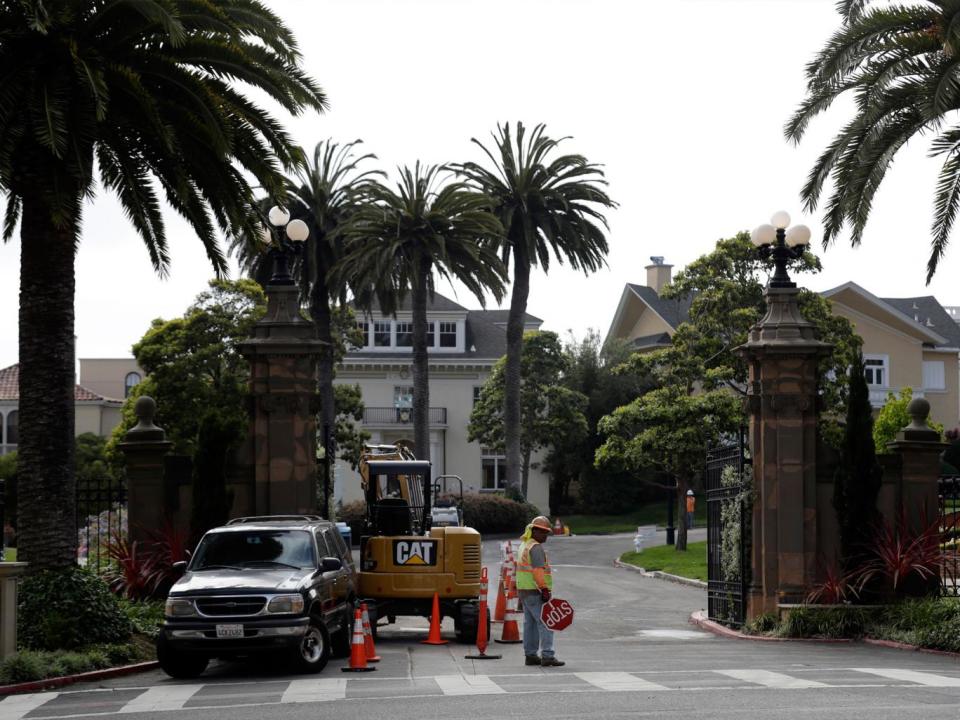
254, 548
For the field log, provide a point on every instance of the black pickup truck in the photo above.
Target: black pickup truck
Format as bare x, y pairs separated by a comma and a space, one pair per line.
281, 584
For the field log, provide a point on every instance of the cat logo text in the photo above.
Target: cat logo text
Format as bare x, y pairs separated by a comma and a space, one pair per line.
415, 552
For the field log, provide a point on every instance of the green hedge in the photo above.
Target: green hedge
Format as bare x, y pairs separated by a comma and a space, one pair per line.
29, 665
65, 609
486, 513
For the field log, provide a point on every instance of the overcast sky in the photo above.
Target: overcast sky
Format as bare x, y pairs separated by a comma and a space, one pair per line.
683, 101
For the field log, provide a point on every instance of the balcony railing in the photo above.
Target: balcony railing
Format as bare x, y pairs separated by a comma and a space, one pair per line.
878, 396
400, 416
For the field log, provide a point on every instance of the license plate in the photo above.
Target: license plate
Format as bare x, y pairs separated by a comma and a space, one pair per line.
230, 631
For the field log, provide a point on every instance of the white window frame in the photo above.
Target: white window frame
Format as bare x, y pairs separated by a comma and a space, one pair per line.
364, 327
441, 331
498, 480
941, 372
396, 332
389, 331
885, 367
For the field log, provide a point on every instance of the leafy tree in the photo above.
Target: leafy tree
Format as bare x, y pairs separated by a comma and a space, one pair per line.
591, 369
322, 193
856, 483
671, 427
548, 206
893, 418
726, 289
142, 91
898, 61
398, 239
551, 413
218, 434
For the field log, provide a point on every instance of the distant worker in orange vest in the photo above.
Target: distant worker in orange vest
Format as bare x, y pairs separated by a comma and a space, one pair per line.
534, 585
691, 507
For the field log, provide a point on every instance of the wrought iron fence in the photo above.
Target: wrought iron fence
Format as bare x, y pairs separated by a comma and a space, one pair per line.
401, 416
949, 493
101, 515
728, 517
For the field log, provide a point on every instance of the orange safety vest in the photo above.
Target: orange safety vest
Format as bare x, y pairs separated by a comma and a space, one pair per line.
691, 503
525, 577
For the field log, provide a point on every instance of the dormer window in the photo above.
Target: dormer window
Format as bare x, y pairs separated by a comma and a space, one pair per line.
364, 328
430, 334
405, 334
448, 334
381, 333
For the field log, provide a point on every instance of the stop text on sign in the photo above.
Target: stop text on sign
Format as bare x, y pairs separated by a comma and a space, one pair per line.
557, 614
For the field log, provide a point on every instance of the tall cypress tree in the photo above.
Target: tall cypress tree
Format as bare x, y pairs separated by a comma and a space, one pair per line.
857, 479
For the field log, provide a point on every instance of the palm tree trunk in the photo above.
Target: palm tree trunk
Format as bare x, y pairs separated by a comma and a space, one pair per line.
421, 380
320, 312
512, 379
47, 490
525, 471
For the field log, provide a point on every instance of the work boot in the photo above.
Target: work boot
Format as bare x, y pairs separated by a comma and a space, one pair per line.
533, 660
551, 662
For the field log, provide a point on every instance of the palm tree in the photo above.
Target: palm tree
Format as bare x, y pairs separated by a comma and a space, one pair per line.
899, 63
143, 91
548, 207
323, 194
399, 239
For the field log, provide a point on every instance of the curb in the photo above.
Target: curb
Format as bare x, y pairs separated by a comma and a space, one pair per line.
894, 645
699, 618
660, 575
106, 673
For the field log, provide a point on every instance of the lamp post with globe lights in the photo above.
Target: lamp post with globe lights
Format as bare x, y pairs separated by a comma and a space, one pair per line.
284, 246
776, 241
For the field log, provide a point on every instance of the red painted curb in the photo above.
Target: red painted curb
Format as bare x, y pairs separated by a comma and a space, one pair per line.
893, 644
48, 683
700, 620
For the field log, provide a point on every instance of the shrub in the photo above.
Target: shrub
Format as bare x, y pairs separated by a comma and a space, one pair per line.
490, 513
141, 571
893, 418
28, 665
353, 514
64, 609
845, 622
903, 560
146, 616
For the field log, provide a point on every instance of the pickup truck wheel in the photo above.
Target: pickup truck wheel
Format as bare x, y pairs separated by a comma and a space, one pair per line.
182, 666
312, 653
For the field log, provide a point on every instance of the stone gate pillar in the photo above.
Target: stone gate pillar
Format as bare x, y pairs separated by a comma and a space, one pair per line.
281, 443
144, 447
782, 354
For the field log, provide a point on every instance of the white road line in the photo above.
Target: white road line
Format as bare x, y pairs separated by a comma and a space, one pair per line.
162, 697
618, 681
913, 676
14, 707
771, 679
300, 691
468, 685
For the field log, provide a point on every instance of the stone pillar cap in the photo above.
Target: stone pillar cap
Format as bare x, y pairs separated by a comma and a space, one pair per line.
145, 430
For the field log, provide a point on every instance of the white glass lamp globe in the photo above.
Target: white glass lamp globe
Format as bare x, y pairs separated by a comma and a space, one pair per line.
278, 216
780, 220
763, 235
798, 235
298, 231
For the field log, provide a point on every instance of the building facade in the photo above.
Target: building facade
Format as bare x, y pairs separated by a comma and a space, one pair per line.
463, 347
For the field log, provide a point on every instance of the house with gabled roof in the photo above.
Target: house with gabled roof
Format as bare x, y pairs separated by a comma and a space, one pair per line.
907, 342
463, 347
98, 397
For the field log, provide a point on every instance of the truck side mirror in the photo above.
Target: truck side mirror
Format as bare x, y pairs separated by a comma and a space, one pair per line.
330, 564
179, 566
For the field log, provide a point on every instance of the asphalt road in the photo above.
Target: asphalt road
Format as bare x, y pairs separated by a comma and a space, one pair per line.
630, 653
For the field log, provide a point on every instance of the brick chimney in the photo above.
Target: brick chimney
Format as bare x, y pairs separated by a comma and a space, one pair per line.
658, 274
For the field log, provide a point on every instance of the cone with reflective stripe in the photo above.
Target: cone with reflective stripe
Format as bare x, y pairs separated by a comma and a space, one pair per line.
511, 631
358, 653
434, 637
501, 606
368, 647
482, 624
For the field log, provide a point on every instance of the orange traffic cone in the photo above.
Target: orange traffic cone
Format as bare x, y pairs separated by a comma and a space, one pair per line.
501, 606
434, 637
511, 631
482, 624
557, 527
368, 647
358, 654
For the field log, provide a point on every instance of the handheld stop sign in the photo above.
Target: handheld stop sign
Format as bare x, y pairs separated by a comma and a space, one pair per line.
557, 614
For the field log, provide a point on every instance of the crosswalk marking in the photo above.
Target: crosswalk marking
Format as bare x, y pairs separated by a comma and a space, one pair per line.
14, 707
771, 679
618, 681
913, 676
315, 691
162, 697
468, 685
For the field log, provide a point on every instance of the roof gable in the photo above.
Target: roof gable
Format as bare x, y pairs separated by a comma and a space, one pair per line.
860, 300
10, 388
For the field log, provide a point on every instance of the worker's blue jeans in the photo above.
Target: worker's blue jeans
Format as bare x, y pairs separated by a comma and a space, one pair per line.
536, 636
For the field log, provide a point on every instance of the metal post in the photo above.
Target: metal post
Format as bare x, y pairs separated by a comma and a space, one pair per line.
671, 537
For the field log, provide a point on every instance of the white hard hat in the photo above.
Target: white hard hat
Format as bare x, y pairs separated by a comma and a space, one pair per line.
689, 492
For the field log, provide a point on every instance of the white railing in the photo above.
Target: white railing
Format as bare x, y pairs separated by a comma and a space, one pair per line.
878, 396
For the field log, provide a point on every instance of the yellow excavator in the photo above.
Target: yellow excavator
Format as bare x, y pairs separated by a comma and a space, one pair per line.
404, 559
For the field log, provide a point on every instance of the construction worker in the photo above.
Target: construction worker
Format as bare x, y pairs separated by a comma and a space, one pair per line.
691, 507
534, 585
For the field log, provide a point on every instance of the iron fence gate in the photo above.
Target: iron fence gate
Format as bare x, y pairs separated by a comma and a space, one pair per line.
101, 516
949, 534
729, 491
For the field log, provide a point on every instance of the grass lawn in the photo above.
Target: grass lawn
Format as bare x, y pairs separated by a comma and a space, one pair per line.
10, 555
691, 563
653, 514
